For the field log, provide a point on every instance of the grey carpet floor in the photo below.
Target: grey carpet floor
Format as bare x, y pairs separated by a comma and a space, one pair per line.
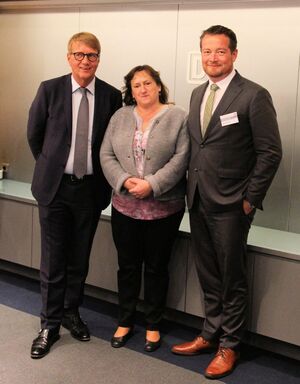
73, 362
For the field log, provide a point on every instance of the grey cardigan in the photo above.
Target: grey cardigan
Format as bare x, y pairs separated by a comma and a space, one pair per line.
166, 154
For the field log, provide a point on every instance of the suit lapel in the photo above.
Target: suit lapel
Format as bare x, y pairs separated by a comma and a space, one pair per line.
194, 116
98, 109
231, 93
68, 106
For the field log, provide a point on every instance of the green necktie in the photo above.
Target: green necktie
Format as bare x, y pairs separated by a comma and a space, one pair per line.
208, 107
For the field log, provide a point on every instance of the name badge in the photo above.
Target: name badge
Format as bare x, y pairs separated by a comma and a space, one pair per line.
230, 118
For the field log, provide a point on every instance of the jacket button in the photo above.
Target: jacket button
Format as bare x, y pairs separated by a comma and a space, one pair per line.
201, 145
196, 169
148, 157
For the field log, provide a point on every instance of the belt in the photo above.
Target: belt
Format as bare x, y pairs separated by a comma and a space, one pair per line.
75, 180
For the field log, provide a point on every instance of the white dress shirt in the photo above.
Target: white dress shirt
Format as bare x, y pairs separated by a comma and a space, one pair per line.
223, 84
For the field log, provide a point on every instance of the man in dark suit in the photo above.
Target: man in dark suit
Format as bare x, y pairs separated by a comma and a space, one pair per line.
235, 153
69, 201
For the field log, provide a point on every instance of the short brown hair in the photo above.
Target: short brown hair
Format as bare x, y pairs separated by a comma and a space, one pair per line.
221, 30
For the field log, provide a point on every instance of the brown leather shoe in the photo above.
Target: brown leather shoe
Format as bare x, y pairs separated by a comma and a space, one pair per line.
194, 347
222, 364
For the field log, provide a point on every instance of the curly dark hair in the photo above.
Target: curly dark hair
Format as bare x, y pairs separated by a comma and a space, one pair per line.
127, 91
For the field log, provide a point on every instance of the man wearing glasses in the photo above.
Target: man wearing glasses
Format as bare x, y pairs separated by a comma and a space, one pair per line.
67, 122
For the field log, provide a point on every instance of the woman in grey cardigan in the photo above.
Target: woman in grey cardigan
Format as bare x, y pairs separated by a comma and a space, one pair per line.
144, 157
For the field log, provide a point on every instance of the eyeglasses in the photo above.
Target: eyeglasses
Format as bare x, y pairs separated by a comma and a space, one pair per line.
79, 56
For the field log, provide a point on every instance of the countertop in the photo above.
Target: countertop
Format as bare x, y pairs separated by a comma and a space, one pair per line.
264, 240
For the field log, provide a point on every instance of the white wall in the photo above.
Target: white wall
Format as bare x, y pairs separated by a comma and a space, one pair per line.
33, 48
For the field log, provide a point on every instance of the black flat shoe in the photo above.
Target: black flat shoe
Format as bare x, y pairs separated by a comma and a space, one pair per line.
118, 342
42, 344
151, 346
76, 326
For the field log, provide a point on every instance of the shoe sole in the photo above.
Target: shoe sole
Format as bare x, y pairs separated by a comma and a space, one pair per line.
213, 377
79, 339
118, 345
151, 349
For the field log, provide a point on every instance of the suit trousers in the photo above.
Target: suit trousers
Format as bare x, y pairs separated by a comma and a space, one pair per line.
148, 243
68, 226
219, 241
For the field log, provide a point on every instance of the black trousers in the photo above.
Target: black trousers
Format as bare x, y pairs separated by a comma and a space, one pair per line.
219, 241
68, 226
148, 243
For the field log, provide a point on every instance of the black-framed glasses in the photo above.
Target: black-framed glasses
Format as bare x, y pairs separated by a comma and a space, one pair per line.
91, 56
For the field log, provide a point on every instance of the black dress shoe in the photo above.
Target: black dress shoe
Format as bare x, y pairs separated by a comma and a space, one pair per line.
76, 326
42, 344
151, 346
118, 342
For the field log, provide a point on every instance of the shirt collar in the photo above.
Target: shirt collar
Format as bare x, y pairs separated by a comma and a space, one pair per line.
223, 84
90, 87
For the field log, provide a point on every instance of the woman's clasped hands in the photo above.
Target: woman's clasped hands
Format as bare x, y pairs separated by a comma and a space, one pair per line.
139, 188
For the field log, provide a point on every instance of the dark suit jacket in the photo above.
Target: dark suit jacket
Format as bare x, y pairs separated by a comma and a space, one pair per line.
235, 161
49, 135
